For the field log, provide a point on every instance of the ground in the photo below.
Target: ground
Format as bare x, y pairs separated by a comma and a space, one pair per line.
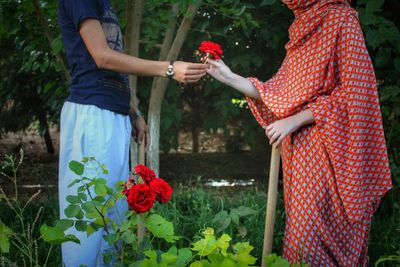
211, 167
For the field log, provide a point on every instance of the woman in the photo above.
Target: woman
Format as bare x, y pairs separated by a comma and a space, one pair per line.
322, 108
95, 118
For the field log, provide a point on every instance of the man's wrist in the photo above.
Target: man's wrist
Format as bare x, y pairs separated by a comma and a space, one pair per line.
163, 69
135, 114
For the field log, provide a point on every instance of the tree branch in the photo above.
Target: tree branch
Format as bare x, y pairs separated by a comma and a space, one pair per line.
45, 26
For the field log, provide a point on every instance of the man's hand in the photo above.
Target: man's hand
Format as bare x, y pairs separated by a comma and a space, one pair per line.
185, 72
141, 132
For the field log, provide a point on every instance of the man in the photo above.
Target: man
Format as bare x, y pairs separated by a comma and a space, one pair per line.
95, 118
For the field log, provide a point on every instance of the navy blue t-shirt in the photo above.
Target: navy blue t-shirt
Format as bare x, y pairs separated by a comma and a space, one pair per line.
89, 84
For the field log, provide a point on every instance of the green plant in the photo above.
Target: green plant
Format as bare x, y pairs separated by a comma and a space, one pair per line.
87, 212
274, 260
391, 259
23, 237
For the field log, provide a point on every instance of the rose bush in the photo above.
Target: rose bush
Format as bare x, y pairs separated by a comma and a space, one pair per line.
87, 212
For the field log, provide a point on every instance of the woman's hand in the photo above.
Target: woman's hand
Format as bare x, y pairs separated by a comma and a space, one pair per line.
219, 71
185, 72
278, 130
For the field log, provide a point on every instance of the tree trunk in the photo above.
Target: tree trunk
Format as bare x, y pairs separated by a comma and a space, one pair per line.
134, 12
195, 139
47, 137
160, 85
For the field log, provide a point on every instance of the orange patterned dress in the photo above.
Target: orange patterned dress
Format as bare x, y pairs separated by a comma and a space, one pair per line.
336, 170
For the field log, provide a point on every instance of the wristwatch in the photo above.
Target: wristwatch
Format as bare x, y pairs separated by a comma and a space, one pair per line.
170, 70
135, 115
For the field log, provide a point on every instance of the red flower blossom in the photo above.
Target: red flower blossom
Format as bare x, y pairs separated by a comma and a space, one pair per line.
162, 190
212, 49
147, 174
140, 198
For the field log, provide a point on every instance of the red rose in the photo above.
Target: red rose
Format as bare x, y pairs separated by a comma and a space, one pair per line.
141, 198
147, 174
162, 190
211, 48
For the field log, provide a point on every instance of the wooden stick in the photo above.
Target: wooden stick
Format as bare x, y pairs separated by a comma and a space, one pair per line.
271, 203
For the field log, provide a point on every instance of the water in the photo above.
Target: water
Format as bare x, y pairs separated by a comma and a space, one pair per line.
230, 182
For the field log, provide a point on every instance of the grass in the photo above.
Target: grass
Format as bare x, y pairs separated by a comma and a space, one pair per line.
193, 209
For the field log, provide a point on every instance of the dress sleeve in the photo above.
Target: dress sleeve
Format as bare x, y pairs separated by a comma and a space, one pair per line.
266, 110
349, 124
79, 10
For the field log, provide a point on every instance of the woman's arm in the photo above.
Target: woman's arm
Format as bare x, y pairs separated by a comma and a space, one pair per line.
219, 71
106, 58
277, 130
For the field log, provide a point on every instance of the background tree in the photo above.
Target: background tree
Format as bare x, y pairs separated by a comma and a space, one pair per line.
34, 74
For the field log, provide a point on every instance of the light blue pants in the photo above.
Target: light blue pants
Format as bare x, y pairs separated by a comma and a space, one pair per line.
88, 131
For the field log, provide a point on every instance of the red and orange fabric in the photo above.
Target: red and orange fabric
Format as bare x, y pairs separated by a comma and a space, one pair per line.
336, 170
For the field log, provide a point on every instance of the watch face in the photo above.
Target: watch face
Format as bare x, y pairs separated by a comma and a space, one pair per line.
170, 70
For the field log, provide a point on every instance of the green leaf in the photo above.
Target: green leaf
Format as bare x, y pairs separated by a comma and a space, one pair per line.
168, 259
242, 253
74, 182
64, 224
276, 261
72, 211
107, 257
76, 167
222, 220
104, 169
184, 257
81, 225
206, 245
82, 196
223, 243
99, 200
73, 199
151, 259
111, 238
5, 232
100, 187
244, 211
89, 207
129, 237
80, 215
55, 235
196, 264
161, 228
373, 6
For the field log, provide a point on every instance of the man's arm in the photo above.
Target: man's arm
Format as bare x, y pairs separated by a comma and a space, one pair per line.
106, 58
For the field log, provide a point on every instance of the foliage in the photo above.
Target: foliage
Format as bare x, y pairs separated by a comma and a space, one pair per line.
274, 260
253, 45
22, 235
381, 27
190, 211
34, 88
394, 259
